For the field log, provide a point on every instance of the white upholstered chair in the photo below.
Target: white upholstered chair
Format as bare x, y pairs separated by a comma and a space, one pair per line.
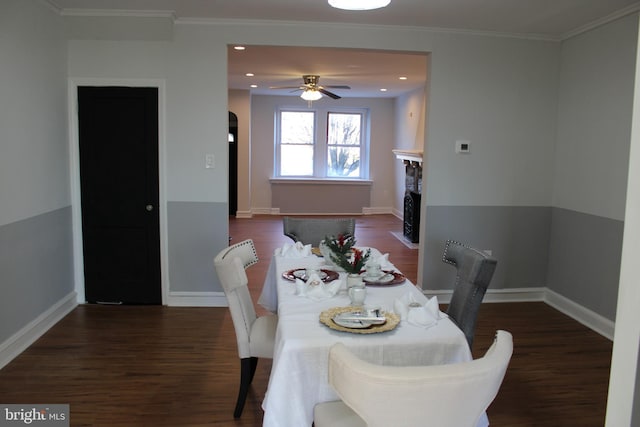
311, 231
255, 335
454, 395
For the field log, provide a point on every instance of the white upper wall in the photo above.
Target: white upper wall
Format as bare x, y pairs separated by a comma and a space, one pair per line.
196, 101
34, 171
594, 119
410, 112
499, 93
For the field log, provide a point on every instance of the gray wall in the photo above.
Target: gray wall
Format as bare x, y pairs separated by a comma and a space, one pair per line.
584, 259
193, 238
569, 237
36, 266
518, 236
597, 74
35, 215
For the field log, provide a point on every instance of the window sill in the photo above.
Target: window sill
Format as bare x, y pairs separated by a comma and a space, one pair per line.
320, 181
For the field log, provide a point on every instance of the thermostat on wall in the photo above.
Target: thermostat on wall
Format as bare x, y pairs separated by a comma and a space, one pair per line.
463, 147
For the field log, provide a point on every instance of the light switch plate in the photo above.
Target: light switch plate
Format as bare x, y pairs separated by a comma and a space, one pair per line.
209, 161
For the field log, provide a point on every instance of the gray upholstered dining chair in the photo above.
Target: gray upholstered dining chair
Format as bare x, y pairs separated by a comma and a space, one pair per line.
255, 335
474, 270
313, 230
452, 395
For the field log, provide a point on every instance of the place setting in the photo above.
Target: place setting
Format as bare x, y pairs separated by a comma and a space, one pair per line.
374, 275
359, 319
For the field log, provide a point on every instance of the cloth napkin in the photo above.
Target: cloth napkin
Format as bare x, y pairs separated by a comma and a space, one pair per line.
422, 315
294, 250
316, 290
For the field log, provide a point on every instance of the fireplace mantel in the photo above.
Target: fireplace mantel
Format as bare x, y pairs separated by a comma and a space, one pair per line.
409, 155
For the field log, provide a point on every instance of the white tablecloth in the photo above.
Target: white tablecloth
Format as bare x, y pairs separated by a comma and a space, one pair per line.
298, 378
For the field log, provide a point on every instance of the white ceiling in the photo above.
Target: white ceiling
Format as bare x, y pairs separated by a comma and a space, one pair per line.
278, 66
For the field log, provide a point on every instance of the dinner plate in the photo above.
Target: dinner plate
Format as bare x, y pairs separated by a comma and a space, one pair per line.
328, 318
301, 273
390, 278
357, 320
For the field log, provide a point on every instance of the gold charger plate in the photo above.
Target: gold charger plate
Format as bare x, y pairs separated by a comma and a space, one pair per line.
326, 317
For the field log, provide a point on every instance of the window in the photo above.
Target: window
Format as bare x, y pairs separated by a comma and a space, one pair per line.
321, 144
297, 129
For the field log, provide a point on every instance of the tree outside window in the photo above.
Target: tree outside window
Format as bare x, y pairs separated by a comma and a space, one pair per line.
343, 142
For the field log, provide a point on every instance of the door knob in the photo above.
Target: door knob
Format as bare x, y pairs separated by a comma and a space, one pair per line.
149, 208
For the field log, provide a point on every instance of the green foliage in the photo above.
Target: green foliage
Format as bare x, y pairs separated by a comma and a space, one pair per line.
345, 255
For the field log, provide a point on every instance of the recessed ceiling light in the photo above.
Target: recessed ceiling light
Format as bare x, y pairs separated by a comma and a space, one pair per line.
402, 78
249, 74
383, 90
239, 47
359, 4
254, 86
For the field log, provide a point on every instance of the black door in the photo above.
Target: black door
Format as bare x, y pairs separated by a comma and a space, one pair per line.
233, 163
118, 137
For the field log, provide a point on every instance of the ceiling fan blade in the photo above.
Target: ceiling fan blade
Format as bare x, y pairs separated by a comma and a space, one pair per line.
329, 94
286, 87
338, 87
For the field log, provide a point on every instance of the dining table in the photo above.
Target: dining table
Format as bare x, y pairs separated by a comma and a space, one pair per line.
299, 372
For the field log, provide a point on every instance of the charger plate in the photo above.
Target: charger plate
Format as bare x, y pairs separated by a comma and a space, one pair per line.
326, 318
300, 273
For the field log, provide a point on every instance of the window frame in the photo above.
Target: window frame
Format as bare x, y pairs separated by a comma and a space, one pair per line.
321, 145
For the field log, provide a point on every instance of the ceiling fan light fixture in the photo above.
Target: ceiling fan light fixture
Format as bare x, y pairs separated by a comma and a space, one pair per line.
359, 4
311, 95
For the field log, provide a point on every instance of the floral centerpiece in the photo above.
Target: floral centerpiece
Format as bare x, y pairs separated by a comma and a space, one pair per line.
343, 254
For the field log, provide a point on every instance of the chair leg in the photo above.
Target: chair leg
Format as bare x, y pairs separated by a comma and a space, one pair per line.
247, 370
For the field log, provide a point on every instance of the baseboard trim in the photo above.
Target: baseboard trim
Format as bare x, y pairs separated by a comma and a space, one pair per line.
265, 211
587, 317
197, 299
495, 295
26, 336
377, 211
244, 214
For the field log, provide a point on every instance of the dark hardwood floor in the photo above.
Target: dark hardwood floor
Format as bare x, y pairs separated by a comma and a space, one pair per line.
178, 366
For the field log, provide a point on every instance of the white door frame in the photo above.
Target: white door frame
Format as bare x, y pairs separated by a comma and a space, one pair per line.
74, 167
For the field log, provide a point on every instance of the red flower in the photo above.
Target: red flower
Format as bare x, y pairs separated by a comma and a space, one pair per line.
357, 256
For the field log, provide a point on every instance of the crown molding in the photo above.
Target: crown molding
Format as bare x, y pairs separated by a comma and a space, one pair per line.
634, 8
120, 13
407, 28
170, 14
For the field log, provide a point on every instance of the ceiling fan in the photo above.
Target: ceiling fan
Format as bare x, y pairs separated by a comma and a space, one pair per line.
312, 91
